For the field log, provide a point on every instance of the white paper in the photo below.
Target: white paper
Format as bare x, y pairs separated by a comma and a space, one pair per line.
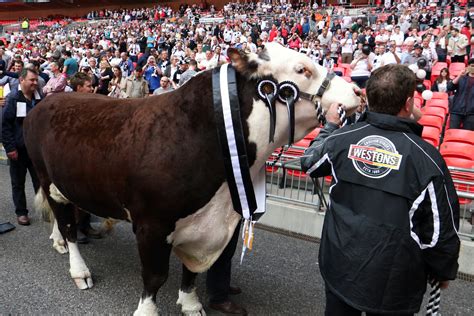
6, 90
20, 109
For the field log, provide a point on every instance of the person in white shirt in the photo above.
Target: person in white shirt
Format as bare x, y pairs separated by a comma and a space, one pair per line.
389, 54
347, 48
398, 37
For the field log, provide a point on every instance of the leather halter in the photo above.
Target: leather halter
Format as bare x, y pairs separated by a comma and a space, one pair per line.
288, 93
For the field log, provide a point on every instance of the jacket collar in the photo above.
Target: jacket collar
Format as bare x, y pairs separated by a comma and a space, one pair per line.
393, 123
36, 95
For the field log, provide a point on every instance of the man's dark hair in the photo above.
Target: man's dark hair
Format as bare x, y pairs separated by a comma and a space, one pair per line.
79, 79
470, 61
24, 72
68, 53
389, 87
192, 62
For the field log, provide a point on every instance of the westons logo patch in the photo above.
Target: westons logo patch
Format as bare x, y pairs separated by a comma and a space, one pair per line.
375, 156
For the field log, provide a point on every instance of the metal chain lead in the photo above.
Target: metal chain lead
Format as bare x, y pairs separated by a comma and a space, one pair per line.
432, 309
341, 111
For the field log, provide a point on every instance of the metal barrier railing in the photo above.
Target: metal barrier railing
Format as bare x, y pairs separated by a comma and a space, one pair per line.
287, 183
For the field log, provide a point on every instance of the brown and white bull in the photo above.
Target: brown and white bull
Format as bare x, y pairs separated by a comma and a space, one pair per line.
157, 163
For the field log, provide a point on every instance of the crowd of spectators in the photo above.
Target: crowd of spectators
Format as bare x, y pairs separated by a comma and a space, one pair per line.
136, 52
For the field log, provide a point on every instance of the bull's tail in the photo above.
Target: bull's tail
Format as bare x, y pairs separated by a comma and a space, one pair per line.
42, 206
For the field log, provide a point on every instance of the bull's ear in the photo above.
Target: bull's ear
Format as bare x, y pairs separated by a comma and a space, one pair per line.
239, 59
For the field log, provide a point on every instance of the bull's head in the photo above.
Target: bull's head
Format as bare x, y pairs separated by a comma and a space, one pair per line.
283, 64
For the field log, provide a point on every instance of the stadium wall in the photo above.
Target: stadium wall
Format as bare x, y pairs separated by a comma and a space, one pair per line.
79, 11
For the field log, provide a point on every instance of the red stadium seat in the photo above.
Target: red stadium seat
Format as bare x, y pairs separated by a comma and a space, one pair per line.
441, 105
457, 150
436, 70
431, 135
459, 136
303, 143
427, 84
313, 134
460, 176
455, 69
433, 121
434, 111
440, 95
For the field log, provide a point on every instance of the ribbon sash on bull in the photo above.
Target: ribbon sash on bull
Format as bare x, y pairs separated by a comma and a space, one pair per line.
232, 141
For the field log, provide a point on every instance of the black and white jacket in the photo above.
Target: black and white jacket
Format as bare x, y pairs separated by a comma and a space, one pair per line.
393, 215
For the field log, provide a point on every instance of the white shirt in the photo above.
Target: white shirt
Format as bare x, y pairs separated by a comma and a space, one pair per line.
347, 46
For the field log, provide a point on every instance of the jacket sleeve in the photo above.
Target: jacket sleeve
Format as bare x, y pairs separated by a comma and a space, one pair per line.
442, 258
8, 125
313, 161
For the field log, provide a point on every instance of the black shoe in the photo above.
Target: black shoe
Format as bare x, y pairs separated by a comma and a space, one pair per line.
92, 233
6, 227
81, 238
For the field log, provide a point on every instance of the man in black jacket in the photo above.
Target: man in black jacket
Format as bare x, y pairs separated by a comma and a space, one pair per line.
394, 213
17, 105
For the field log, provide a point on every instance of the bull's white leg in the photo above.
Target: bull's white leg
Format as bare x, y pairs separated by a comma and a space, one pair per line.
146, 307
58, 242
79, 271
190, 304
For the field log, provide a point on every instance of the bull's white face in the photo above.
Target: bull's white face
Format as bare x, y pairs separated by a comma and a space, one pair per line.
284, 64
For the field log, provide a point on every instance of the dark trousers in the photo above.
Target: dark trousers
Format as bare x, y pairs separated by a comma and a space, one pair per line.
461, 121
457, 59
336, 307
218, 276
18, 169
360, 81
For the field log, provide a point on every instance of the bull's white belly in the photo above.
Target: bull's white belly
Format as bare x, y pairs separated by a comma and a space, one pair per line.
199, 239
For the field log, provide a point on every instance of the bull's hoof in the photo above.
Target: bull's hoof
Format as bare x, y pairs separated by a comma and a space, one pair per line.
83, 284
60, 246
190, 305
82, 279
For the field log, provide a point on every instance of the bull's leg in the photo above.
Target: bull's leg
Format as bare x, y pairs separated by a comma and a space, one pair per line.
66, 223
58, 242
155, 255
188, 298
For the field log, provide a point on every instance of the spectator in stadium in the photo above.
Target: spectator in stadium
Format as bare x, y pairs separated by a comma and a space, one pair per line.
151, 74
17, 105
189, 73
389, 54
457, 46
136, 86
347, 48
106, 74
441, 44
118, 84
165, 86
442, 82
81, 82
361, 67
57, 83
393, 252
70, 66
462, 108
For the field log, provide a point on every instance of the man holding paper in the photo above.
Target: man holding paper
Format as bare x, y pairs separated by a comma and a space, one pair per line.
17, 105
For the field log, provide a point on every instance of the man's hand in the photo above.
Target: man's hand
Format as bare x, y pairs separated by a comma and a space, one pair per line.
13, 155
332, 116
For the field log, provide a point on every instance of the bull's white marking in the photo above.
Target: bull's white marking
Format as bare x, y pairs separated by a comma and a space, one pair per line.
146, 307
56, 195
190, 304
78, 269
42, 206
58, 242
